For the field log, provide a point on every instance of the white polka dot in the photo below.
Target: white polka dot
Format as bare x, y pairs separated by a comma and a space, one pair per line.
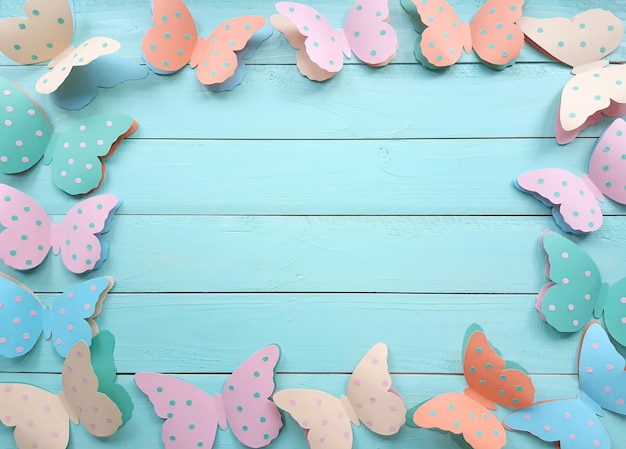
587, 297
587, 273
31, 112
83, 127
19, 143
78, 180
88, 166
623, 300
7, 92
575, 323
564, 255
83, 144
100, 142
8, 122
551, 307
9, 108
624, 320
63, 173
66, 145
109, 123
3, 159
39, 133
570, 307
70, 161
25, 160
565, 281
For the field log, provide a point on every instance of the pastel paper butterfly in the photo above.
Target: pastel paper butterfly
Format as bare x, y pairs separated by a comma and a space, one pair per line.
491, 380
576, 291
366, 33
192, 416
574, 200
30, 234
23, 317
597, 88
492, 33
572, 423
46, 34
370, 400
41, 419
76, 155
173, 42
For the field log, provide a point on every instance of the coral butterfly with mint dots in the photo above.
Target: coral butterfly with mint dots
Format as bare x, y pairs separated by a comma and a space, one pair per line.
370, 399
366, 33
572, 423
491, 380
192, 416
29, 233
46, 34
597, 87
173, 42
90, 396
492, 33
576, 291
23, 317
574, 200
76, 154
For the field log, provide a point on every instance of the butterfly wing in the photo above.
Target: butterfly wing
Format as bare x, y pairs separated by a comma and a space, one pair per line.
73, 313
25, 242
167, 47
567, 302
458, 414
189, 413
39, 418
216, 57
26, 131
607, 169
379, 407
573, 200
323, 416
21, 317
78, 238
496, 38
570, 422
249, 387
320, 47
46, 31
369, 34
76, 154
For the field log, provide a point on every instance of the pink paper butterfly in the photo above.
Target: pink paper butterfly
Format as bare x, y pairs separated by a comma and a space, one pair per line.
370, 399
192, 416
30, 234
321, 48
575, 200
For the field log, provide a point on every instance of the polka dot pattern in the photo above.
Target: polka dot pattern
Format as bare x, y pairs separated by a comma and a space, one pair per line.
607, 166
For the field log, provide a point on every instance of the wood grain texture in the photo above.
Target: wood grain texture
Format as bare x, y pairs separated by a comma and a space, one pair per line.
325, 217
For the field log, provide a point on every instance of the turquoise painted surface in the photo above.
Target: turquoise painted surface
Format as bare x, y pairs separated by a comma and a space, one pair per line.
377, 206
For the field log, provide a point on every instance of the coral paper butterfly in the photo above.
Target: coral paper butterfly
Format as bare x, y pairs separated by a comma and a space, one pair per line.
192, 416
492, 33
29, 233
491, 380
370, 400
366, 33
173, 42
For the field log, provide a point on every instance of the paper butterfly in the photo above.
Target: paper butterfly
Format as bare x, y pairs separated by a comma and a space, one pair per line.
366, 33
370, 399
46, 34
173, 42
23, 317
41, 419
581, 43
492, 33
192, 416
75, 154
29, 233
574, 200
573, 422
576, 290
491, 380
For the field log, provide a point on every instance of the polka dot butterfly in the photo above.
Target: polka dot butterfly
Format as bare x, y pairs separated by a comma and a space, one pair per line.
574, 200
41, 419
576, 291
23, 317
572, 423
492, 33
29, 233
192, 416
367, 34
370, 400
597, 88
75, 154
491, 380
173, 42
46, 34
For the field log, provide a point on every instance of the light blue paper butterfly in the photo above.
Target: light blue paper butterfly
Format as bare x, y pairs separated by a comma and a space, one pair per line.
573, 422
23, 317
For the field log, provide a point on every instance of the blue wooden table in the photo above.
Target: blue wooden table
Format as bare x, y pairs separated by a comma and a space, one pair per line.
325, 217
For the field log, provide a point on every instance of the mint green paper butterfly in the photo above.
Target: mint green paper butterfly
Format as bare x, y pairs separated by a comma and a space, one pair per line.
26, 136
576, 291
